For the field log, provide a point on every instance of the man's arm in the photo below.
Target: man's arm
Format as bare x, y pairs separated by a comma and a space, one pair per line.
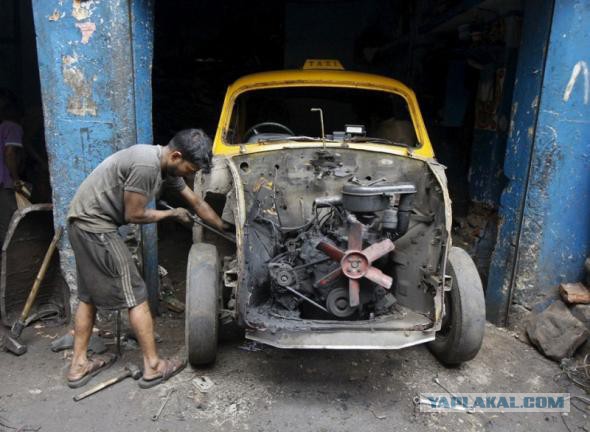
137, 213
203, 210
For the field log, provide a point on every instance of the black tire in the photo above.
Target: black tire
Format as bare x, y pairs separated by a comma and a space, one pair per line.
202, 304
461, 336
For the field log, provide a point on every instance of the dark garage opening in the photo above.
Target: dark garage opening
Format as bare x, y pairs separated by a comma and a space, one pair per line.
19, 82
26, 240
460, 59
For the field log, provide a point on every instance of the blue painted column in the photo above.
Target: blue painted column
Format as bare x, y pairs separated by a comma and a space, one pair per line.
544, 235
96, 89
142, 35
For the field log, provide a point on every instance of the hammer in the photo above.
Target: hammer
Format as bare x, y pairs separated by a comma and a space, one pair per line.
130, 370
12, 342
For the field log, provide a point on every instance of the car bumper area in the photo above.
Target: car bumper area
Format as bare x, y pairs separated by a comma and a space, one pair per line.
340, 339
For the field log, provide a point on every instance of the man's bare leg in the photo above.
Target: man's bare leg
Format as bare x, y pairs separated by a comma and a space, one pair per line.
83, 326
140, 318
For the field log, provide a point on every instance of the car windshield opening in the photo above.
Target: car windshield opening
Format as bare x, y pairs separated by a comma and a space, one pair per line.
285, 114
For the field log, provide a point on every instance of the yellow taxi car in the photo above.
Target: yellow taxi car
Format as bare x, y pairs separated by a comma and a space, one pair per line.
342, 219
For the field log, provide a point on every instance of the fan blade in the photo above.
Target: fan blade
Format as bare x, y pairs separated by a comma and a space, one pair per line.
380, 278
330, 250
354, 287
377, 250
330, 277
355, 236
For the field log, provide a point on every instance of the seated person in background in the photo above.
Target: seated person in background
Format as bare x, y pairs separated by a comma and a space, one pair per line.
11, 134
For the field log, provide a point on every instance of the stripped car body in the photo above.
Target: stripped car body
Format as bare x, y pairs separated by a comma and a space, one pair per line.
342, 237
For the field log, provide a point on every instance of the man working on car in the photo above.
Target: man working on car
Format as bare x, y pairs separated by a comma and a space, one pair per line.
114, 194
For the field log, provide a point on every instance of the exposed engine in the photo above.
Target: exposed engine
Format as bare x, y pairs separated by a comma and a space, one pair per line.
336, 265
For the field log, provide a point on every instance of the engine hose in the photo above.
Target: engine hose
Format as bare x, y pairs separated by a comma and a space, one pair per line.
406, 203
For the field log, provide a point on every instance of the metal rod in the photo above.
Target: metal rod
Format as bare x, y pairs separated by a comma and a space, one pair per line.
302, 266
297, 293
156, 416
322, 124
198, 221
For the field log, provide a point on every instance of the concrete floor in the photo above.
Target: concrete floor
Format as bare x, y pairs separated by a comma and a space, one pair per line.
271, 389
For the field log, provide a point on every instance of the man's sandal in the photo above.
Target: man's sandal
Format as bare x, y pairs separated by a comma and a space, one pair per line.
171, 368
95, 365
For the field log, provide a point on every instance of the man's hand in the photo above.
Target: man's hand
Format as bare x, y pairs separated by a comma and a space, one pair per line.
21, 187
202, 209
182, 215
227, 227
18, 185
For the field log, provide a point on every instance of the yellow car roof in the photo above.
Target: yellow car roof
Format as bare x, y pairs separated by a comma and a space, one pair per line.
320, 78
303, 77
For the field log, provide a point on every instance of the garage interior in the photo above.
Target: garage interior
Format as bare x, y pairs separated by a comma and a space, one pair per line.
462, 70
459, 57
473, 64
461, 62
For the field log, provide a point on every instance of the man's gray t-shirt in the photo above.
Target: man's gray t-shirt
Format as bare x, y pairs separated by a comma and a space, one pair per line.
98, 205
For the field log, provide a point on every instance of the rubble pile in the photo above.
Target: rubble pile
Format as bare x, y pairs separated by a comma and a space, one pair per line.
562, 328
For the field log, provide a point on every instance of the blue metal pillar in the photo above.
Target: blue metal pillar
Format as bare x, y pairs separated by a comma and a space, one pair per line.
544, 235
94, 65
142, 35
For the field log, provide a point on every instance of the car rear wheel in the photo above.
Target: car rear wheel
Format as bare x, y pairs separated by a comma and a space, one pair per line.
202, 304
463, 327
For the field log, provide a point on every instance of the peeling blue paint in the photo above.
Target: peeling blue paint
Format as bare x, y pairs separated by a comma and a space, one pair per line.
89, 91
142, 30
535, 35
549, 244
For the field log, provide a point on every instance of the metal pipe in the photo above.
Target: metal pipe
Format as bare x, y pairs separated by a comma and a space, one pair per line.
297, 293
198, 221
322, 124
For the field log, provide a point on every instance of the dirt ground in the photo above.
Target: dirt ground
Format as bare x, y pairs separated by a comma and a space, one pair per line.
259, 388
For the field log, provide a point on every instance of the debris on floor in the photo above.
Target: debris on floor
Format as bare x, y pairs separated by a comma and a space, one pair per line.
172, 303
168, 295
4, 423
96, 344
555, 332
574, 293
203, 383
250, 346
578, 371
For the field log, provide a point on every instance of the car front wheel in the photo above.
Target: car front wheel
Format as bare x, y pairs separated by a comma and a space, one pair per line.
463, 326
202, 304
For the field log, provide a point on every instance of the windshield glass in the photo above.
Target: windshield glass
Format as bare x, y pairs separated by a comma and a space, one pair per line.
285, 114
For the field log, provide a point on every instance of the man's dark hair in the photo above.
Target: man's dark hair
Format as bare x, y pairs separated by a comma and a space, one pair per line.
195, 146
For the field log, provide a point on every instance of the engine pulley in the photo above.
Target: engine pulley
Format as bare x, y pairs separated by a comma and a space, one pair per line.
338, 303
283, 274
